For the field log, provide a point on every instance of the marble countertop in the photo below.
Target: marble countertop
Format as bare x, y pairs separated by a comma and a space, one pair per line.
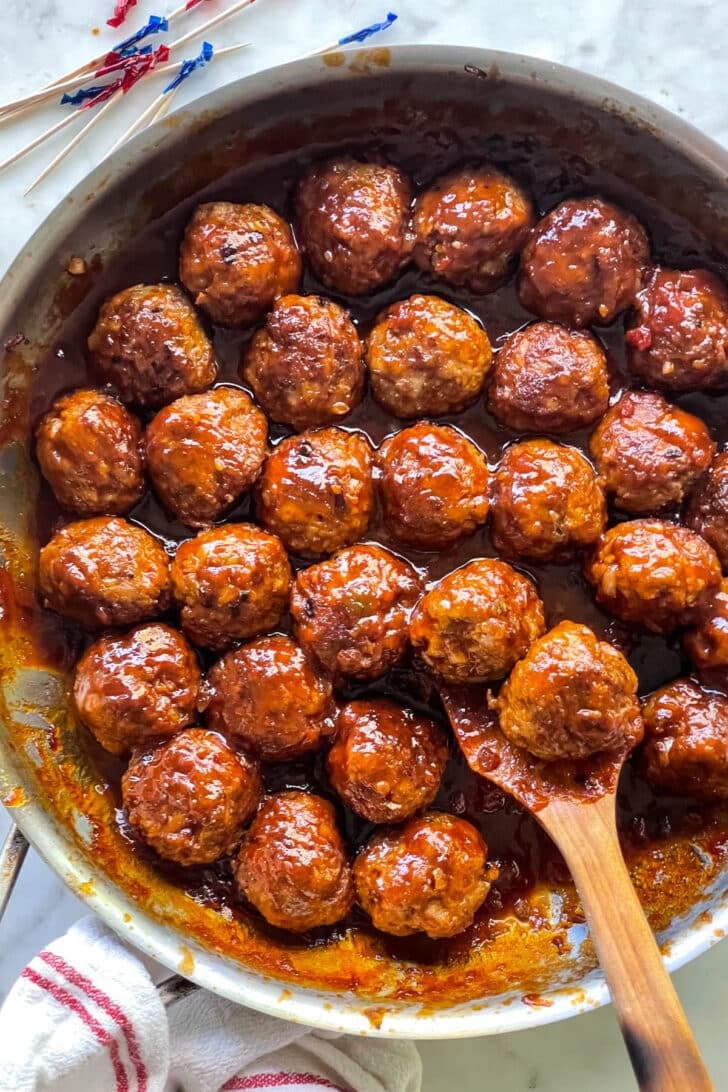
673, 53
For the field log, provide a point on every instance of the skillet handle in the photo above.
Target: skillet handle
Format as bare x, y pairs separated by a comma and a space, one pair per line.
12, 856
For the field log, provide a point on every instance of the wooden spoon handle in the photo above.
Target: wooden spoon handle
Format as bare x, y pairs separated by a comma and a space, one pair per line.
663, 1052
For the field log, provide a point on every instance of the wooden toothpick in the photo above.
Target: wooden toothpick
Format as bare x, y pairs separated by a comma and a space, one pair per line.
76, 140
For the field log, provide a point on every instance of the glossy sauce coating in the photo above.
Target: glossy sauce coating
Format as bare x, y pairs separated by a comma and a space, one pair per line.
204, 451
386, 762
707, 642
148, 343
707, 510
236, 260
269, 699
686, 740
131, 689
292, 865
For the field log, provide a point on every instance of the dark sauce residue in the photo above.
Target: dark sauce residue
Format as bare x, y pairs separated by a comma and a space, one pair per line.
525, 856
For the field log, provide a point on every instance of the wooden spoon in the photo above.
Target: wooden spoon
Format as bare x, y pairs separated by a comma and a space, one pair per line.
575, 803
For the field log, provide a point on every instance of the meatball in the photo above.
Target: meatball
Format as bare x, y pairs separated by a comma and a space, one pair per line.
649, 453
149, 345
352, 220
707, 510
104, 572
547, 502
549, 379
686, 740
433, 484
134, 688
430, 876
653, 574
707, 643
570, 697
426, 356
267, 697
386, 762
305, 365
476, 622
191, 797
316, 491
678, 337
351, 612
89, 448
470, 227
230, 583
292, 865
237, 260
583, 262
204, 451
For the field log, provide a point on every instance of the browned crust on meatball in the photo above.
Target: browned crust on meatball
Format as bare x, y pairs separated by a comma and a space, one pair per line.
426, 357
571, 696
191, 797
316, 491
237, 260
386, 762
129, 690
430, 876
470, 226
352, 220
707, 510
653, 574
476, 622
434, 485
583, 263
686, 740
547, 502
351, 612
649, 453
306, 365
89, 448
230, 583
678, 337
707, 643
269, 699
292, 865
149, 345
104, 572
547, 378
204, 451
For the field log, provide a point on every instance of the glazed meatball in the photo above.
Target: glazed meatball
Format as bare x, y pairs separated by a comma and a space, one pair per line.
570, 697
351, 612
430, 876
649, 453
89, 448
707, 643
686, 740
653, 574
204, 451
549, 379
547, 502
292, 865
134, 688
104, 572
470, 227
237, 260
305, 365
230, 583
386, 762
678, 338
316, 491
583, 262
426, 356
434, 486
267, 697
476, 622
149, 345
352, 220
707, 510
191, 797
